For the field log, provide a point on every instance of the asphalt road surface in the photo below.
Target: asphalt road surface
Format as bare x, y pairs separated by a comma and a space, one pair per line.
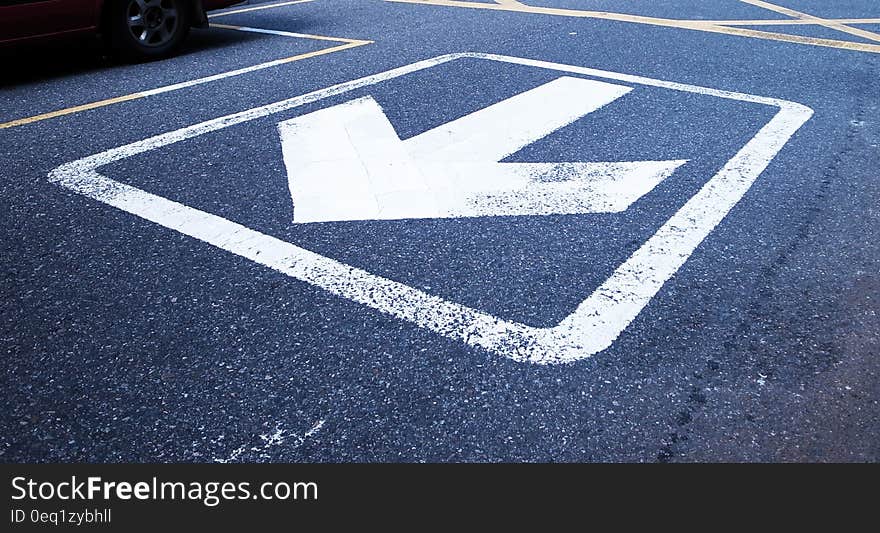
275, 285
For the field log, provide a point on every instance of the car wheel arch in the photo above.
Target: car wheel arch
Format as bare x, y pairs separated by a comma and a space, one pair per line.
198, 14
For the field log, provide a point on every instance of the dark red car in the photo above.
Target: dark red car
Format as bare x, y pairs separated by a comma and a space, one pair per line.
134, 28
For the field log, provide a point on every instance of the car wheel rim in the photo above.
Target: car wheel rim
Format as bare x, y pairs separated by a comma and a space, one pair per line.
152, 22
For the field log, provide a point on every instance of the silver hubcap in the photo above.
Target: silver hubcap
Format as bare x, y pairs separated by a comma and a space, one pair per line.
152, 22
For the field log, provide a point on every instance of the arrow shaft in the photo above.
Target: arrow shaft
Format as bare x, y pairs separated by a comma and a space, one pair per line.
501, 129
565, 188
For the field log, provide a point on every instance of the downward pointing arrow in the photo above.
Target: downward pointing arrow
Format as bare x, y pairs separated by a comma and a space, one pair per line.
347, 162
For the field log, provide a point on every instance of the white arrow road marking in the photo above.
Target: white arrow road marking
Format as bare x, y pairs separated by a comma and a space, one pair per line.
597, 321
346, 162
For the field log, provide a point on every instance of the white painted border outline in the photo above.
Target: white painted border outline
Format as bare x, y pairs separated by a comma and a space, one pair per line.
593, 326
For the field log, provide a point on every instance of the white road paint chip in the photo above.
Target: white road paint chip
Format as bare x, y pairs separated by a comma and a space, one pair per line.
597, 321
263, 450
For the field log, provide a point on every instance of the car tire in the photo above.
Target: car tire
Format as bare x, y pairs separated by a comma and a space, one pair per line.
147, 29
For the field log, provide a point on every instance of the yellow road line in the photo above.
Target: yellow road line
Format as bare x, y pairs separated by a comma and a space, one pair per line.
787, 22
346, 44
256, 8
813, 41
71, 110
865, 34
523, 8
653, 21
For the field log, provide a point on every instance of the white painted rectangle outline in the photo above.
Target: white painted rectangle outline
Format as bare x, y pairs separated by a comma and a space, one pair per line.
593, 326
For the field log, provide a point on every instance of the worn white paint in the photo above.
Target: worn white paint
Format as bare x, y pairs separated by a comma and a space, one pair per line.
278, 437
314, 429
347, 162
598, 320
